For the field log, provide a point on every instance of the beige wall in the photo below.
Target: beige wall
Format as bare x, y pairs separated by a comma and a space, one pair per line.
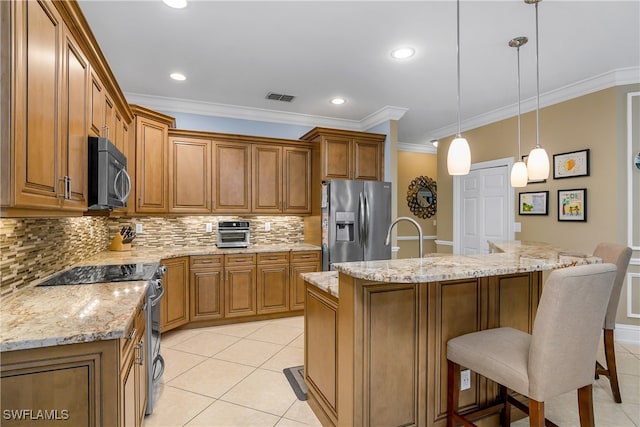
410, 166
595, 121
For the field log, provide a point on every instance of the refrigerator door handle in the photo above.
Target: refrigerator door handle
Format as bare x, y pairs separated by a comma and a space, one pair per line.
366, 221
361, 220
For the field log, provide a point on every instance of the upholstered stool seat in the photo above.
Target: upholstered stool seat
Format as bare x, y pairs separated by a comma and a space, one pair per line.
556, 358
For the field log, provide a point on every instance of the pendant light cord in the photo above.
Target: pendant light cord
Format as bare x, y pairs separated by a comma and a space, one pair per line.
519, 152
458, 53
537, 84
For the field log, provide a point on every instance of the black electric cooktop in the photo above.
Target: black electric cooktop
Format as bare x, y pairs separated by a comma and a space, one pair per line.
88, 274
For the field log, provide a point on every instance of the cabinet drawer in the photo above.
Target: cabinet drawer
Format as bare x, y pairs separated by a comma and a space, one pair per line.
305, 256
204, 261
273, 258
239, 259
133, 332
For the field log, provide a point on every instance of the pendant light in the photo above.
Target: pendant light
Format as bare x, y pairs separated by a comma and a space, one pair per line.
538, 161
459, 154
519, 170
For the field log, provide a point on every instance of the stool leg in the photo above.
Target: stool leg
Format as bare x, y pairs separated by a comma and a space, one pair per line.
536, 413
505, 414
610, 355
453, 390
585, 406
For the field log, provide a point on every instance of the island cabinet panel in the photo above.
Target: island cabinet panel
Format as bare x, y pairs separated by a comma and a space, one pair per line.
320, 373
174, 306
232, 177
189, 175
207, 287
516, 298
76, 384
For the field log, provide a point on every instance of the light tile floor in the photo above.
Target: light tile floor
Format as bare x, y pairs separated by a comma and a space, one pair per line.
232, 376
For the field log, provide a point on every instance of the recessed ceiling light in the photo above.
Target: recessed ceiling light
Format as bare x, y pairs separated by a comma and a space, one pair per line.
176, 4
402, 53
338, 101
178, 76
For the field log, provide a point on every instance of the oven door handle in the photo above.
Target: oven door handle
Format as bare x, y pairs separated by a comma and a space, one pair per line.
156, 300
160, 359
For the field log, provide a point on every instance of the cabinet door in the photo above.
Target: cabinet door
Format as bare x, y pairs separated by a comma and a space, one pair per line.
151, 166
296, 299
38, 38
240, 291
189, 175
75, 72
368, 158
207, 294
336, 157
109, 118
174, 306
97, 105
273, 288
297, 180
232, 177
267, 179
141, 362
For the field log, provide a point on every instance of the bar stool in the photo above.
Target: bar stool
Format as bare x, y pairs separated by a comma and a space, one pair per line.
620, 256
556, 358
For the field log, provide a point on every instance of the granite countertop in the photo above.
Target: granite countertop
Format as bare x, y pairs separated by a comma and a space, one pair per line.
56, 315
66, 314
508, 258
144, 254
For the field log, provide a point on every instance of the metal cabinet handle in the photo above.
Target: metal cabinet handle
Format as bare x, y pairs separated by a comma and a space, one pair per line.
132, 334
140, 351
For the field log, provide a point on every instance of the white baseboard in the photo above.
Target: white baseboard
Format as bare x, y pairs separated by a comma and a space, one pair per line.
627, 333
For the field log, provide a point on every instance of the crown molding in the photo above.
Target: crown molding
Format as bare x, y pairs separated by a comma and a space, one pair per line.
426, 148
177, 105
619, 77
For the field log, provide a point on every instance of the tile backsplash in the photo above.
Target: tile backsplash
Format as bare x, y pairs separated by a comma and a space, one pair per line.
190, 230
34, 248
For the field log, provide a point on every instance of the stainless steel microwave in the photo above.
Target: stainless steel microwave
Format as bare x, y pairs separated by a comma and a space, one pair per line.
109, 182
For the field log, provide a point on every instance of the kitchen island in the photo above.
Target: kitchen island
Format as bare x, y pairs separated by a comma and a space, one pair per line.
376, 332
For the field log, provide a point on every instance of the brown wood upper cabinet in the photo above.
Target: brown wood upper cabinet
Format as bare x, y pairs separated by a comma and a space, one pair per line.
349, 154
46, 165
281, 179
152, 166
232, 166
189, 175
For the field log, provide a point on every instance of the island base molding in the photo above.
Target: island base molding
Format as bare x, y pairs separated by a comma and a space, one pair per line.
387, 344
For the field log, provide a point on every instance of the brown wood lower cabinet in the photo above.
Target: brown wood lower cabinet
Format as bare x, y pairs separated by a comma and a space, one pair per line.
99, 383
240, 285
301, 262
174, 306
387, 350
273, 282
206, 287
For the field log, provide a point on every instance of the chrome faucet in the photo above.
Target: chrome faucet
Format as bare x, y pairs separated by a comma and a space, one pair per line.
414, 222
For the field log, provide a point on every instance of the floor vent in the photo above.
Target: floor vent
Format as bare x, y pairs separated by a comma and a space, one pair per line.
280, 97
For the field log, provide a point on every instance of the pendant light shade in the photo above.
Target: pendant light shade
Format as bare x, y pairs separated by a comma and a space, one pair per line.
459, 157
538, 164
538, 161
519, 176
459, 154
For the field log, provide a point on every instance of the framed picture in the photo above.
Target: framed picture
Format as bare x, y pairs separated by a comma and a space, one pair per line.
532, 181
570, 165
572, 205
534, 203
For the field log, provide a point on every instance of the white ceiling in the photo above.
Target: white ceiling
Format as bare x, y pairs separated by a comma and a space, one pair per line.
235, 52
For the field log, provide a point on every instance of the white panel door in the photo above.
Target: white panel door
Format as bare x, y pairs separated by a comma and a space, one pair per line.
485, 206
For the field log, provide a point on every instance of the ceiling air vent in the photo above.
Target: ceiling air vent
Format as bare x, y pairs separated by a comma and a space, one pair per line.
280, 97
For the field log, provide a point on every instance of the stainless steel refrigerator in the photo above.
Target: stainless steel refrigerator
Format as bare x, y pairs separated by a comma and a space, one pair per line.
355, 219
